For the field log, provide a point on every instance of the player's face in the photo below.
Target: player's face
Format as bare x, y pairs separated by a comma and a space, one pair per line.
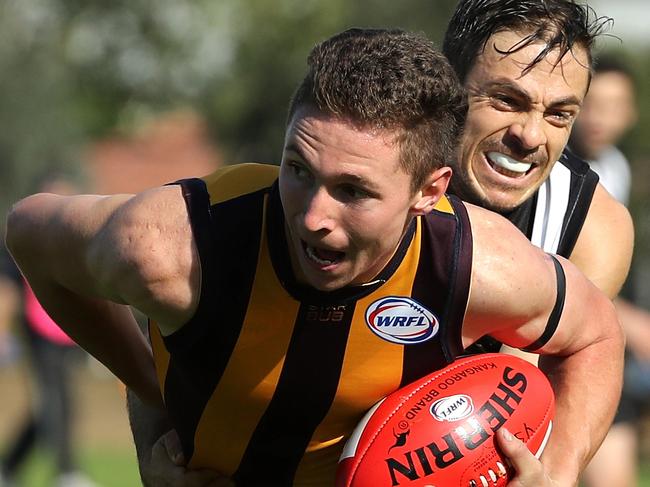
517, 124
607, 113
346, 200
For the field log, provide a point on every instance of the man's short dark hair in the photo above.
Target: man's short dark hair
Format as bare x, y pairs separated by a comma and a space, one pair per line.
392, 80
560, 24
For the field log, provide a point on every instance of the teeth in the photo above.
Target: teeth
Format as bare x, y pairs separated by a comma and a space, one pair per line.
508, 163
312, 255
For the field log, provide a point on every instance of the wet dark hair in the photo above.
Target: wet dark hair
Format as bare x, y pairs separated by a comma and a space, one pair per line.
393, 80
561, 24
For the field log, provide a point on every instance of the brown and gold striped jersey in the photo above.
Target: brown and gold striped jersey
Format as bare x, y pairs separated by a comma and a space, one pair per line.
269, 377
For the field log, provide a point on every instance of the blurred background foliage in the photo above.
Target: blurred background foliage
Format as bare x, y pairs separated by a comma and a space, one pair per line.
74, 71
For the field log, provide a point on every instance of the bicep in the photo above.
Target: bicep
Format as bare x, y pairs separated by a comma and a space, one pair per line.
513, 283
147, 257
515, 292
135, 250
50, 236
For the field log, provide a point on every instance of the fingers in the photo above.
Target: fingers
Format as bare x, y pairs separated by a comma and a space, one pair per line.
172, 444
167, 467
529, 471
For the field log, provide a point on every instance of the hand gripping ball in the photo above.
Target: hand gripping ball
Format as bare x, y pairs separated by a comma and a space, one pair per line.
439, 430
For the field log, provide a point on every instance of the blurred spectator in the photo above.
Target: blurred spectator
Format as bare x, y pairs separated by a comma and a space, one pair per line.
609, 111
9, 299
49, 350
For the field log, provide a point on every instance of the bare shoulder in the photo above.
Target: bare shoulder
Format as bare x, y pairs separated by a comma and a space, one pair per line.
158, 214
146, 254
496, 238
604, 247
510, 276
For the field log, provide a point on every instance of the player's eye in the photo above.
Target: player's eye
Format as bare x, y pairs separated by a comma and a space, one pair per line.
502, 101
351, 192
298, 170
561, 118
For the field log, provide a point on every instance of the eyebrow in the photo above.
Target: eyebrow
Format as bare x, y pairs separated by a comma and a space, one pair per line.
296, 150
345, 177
508, 84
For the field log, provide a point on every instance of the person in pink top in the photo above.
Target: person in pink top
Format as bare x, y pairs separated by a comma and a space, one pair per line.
37, 318
49, 421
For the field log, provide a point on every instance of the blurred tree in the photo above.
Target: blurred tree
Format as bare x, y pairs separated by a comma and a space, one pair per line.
248, 107
73, 70
38, 125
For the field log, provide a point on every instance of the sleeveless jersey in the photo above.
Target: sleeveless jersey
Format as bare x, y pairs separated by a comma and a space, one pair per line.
552, 219
269, 377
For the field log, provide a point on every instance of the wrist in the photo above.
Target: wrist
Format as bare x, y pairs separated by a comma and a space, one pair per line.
563, 472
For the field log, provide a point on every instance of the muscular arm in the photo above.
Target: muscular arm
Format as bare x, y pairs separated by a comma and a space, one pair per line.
147, 425
583, 359
86, 257
160, 458
604, 247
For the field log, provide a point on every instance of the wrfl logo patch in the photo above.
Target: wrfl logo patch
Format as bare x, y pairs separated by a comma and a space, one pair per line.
453, 408
401, 320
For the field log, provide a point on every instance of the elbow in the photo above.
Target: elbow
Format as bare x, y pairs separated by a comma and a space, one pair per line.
20, 227
612, 330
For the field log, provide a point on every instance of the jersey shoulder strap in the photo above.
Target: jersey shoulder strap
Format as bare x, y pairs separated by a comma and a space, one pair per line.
562, 204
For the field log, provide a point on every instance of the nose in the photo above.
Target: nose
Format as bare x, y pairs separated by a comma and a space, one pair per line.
319, 211
529, 131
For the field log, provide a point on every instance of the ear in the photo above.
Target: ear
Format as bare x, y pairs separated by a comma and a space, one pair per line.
435, 187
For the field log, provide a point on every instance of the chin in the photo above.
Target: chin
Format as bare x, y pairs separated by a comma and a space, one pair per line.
498, 199
326, 285
500, 205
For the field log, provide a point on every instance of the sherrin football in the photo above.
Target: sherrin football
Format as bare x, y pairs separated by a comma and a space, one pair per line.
439, 430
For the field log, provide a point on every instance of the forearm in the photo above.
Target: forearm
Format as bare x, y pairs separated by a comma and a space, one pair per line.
587, 386
49, 238
109, 332
147, 426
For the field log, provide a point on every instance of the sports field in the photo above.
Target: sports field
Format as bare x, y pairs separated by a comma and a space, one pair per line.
104, 443
104, 446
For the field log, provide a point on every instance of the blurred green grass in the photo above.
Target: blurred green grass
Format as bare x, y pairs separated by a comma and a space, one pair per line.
106, 467
118, 468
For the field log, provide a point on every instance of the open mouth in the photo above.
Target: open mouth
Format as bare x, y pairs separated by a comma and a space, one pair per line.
322, 257
507, 166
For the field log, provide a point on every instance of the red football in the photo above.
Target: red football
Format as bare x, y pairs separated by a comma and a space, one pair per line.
439, 430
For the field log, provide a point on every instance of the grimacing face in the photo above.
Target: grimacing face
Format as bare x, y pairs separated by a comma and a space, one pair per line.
517, 124
344, 216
